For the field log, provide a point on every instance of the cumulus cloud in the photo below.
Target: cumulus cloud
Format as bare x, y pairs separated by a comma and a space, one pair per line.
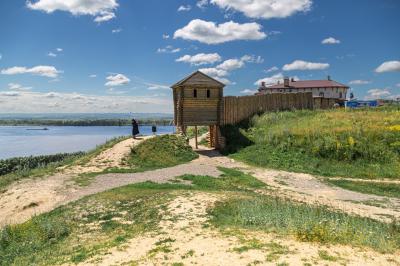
272, 69
51, 54
17, 87
165, 36
184, 8
81, 103
9, 93
389, 66
200, 59
102, 10
221, 71
270, 80
303, 65
116, 30
117, 80
202, 3
265, 9
93, 76
45, 71
252, 59
210, 33
330, 40
248, 91
169, 49
359, 82
378, 94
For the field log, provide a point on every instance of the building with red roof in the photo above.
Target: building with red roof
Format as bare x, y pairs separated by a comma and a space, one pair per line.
320, 88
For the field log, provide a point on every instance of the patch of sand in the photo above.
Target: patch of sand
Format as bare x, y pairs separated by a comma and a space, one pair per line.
184, 238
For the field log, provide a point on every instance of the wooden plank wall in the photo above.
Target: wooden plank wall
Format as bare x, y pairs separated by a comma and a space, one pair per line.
236, 109
324, 103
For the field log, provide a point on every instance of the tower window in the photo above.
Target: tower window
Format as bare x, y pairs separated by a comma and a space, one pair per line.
194, 93
208, 93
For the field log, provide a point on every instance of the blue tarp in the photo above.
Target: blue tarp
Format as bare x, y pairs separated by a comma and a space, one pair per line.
358, 104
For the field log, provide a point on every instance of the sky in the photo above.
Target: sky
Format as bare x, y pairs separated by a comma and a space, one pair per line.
61, 56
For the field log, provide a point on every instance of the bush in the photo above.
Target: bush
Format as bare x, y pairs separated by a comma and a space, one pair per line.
161, 151
27, 163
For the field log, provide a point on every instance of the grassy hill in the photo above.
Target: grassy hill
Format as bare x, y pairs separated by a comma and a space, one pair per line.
353, 143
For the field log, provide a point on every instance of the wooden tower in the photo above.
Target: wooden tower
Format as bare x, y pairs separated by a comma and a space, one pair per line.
198, 101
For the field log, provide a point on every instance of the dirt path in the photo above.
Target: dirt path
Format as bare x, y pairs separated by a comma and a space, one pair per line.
34, 196
24, 199
183, 238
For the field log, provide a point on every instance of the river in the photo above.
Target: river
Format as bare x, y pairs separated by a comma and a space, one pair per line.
18, 141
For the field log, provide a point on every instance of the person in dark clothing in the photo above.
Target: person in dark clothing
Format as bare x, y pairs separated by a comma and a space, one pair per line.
135, 128
154, 129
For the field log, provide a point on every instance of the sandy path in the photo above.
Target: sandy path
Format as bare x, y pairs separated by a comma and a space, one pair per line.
24, 199
34, 196
187, 241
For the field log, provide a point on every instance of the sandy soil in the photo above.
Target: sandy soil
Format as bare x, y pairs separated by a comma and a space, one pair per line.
188, 241
29, 197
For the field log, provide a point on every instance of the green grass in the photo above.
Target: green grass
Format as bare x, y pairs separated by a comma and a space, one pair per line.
358, 143
190, 131
305, 222
80, 230
160, 152
380, 189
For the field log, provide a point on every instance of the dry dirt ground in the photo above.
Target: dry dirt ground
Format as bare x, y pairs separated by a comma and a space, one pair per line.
184, 239
193, 243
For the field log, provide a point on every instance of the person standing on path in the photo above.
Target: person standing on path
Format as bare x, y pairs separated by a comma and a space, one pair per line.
135, 128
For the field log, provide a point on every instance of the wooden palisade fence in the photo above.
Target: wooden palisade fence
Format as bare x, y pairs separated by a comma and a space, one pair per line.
236, 109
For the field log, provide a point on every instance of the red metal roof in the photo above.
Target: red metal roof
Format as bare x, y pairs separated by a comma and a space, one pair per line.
301, 84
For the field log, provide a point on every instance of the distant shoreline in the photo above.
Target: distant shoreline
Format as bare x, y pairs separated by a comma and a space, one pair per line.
86, 122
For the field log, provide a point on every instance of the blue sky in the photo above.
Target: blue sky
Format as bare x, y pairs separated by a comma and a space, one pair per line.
122, 56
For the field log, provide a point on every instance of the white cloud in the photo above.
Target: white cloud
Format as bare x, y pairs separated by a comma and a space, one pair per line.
202, 3
17, 87
252, 59
93, 76
398, 85
231, 64
154, 86
377, 94
200, 59
184, 8
214, 72
117, 80
104, 16
43, 102
330, 40
45, 71
165, 36
51, 54
265, 9
303, 65
389, 66
248, 91
59, 50
102, 10
1, 56
359, 82
270, 80
9, 93
210, 33
272, 69
169, 49
221, 71
116, 30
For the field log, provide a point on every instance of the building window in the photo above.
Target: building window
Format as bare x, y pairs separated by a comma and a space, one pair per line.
195, 93
340, 95
208, 93
321, 94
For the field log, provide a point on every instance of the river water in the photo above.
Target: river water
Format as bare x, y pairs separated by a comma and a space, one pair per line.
18, 141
